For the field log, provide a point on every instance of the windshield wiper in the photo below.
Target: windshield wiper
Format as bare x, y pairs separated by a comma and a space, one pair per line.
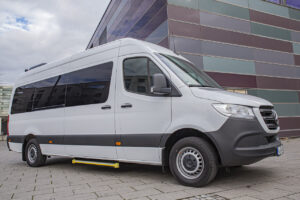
196, 85
208, 86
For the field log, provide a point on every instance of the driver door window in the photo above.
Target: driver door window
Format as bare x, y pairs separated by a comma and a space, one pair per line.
138, 74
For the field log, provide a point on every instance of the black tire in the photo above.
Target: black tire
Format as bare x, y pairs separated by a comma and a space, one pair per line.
186, 151
236, 167
33, 154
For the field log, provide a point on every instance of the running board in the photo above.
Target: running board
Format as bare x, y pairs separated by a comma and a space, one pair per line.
87, 162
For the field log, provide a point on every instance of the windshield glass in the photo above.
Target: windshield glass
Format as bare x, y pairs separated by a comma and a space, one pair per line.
187, 72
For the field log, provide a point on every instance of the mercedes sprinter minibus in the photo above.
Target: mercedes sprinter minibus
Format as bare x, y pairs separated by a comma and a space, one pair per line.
136, 102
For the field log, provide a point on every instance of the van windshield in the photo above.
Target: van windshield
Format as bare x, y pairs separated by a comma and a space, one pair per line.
187, 72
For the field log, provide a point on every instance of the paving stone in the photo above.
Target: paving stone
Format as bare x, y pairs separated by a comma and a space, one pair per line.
245, 198
237, 193
129, 184
271, 194
82, 197
170, 196
59, 179
294, 196
203, 190
5, 196
206, 197
163, 187
141, 193
143, 198
115, 197
91, 190
115, 191
284, 198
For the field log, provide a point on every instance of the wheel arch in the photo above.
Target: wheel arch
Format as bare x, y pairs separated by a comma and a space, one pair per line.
168, 142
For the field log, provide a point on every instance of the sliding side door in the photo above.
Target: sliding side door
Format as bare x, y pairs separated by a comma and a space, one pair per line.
89, 112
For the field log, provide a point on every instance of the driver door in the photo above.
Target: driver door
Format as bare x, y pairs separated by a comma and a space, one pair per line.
141, 116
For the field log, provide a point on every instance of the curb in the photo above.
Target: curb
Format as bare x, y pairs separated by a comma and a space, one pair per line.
2, 137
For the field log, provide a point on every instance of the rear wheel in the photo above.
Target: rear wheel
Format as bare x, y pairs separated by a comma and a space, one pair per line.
33, 154
193, 162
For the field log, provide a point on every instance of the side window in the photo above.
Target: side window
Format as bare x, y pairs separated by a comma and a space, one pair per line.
49, 93
58, 93
138, 74
88, 86
153, 69
22, 101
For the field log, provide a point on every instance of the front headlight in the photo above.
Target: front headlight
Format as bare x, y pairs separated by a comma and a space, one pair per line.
232, 110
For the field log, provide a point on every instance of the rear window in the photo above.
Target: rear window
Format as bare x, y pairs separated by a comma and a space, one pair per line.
23, 99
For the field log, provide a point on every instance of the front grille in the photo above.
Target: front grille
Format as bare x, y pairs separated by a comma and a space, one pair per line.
270, 117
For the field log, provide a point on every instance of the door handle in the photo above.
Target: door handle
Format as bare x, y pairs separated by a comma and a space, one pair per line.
106, 107
126, 105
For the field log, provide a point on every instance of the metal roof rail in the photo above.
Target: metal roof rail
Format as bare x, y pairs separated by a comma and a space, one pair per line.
35, 66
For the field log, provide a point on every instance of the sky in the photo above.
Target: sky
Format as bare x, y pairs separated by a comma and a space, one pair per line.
34, 32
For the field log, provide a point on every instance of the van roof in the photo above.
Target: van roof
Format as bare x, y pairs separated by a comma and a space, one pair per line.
147, 46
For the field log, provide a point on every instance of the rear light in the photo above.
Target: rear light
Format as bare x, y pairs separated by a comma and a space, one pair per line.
8, 126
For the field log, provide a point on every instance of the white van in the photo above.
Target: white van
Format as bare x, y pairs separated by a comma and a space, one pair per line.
133, 101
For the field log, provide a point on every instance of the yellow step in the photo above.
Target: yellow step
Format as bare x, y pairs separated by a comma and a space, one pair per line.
87, 162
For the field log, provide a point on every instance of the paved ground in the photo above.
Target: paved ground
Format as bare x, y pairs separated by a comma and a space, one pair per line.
272, 178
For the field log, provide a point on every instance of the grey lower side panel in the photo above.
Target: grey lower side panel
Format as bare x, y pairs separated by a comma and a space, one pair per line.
129, 140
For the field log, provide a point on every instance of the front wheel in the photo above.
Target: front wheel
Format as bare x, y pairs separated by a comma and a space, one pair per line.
33, 154
193, 162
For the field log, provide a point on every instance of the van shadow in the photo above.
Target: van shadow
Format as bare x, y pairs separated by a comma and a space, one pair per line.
124, 167
245, 175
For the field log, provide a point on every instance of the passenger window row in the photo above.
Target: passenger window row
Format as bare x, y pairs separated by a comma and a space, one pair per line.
81, 87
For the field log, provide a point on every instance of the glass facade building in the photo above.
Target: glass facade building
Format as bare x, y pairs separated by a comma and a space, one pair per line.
290, 3
141, 19
247, 46
5, 93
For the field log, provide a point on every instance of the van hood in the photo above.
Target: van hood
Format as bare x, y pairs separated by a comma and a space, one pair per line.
223, 96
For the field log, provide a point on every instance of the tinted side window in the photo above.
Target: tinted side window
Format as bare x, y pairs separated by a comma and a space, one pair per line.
138, 74
49, 93
88, 86
22, 101
58, 93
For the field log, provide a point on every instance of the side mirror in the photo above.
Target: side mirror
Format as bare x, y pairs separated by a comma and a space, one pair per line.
160, 86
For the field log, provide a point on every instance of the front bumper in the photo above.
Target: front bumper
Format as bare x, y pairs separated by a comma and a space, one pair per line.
243, 142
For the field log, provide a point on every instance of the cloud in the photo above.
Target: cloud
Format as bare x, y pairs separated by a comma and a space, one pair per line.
32, 32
